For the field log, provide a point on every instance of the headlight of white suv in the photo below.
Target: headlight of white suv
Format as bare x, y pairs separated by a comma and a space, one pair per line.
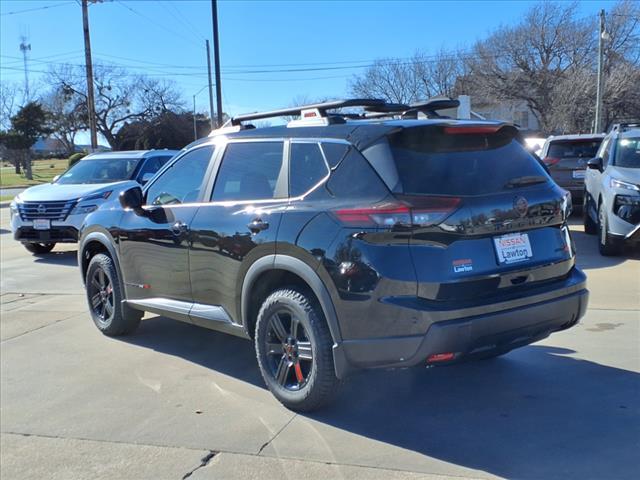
84, 207
615, 183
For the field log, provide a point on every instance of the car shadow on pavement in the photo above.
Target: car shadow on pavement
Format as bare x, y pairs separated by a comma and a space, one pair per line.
534, 413
4, 230
69, 258
588, 257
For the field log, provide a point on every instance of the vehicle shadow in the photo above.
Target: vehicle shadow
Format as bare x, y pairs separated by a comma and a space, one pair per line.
535, 413
68, 258
4, 231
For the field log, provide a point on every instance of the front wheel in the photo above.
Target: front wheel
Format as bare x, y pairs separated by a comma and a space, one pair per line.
590, 227
39, 248
607, 245
104, 295
293, 347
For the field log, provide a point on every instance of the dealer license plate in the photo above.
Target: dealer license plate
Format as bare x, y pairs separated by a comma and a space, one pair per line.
41, 224
513, 248
578, 174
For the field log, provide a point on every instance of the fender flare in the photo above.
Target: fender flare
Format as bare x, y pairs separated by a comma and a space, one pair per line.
106, 240
311, 278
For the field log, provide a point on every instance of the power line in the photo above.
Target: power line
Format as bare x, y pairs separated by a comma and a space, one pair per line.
36, 8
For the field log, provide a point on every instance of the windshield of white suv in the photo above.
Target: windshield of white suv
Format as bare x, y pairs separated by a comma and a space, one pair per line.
105, 170
628, 153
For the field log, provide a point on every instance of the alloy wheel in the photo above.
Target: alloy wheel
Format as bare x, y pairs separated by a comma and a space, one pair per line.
289, 351
101, 295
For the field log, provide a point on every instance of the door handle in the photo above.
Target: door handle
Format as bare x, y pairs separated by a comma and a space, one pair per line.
257, 225
179, 228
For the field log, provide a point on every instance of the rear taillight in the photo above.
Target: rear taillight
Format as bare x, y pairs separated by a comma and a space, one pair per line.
420, 211
550, 161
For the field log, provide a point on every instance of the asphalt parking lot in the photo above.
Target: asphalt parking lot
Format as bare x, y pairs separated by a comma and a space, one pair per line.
176, 401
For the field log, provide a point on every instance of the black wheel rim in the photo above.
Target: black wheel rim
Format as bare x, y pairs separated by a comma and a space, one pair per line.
289, 351
101, 295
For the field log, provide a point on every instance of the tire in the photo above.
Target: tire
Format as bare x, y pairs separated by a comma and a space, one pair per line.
607, 245
590, 227
39, 248
294, 350
104, 296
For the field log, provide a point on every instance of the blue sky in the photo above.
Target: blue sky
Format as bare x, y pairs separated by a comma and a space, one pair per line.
166, 38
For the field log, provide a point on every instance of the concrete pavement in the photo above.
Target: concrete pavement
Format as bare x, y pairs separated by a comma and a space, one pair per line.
177, 401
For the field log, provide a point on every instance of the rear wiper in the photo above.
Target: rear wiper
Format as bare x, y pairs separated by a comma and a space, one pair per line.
526, 180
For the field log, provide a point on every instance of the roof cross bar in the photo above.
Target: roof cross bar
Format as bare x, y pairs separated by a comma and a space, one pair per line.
320, 108
428, 107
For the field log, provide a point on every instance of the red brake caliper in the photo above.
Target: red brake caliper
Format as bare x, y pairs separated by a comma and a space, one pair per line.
298, 371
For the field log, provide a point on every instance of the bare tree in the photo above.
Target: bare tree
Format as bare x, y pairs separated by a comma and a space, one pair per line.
68, 116
10, 94
120, 97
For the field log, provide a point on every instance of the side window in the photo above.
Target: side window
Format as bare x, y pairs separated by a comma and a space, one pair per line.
152, 165
182, 182
306, 168
355, 178
249, 171
334, 152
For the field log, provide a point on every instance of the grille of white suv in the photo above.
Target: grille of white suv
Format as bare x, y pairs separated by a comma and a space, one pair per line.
47, 210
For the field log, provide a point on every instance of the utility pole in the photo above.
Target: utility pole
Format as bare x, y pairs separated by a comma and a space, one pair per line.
24, 47
597, 127
216, 59
195, 130
87, 55
213, 122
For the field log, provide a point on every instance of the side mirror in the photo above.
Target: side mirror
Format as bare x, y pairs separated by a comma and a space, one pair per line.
595, 163
132, 199
146, 177
55, 179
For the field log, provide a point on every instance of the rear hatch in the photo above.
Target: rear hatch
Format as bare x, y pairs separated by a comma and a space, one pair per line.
485, 216
567, 160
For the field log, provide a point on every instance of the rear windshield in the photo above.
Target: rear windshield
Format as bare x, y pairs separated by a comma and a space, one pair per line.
432, 162
628, 153
574, 148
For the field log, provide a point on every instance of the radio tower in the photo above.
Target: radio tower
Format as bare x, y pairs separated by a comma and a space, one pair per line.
24, 47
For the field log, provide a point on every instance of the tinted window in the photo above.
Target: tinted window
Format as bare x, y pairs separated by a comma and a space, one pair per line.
605, 153
152, 165
574, 148
306, 168
249, 171
355, 178
628, 153
181, 183
334, 152
104, 170
432, 162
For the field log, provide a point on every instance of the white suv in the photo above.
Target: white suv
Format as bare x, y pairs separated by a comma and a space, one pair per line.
44, 215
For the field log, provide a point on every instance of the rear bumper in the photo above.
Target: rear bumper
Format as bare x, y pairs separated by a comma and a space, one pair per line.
475, 335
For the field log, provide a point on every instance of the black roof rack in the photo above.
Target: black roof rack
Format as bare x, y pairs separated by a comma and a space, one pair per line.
320, 107
428, 107
624, 125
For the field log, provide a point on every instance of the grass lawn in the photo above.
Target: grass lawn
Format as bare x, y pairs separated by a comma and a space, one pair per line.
43, 172
6, 198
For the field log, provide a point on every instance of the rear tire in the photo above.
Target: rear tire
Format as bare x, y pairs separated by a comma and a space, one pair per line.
607, 245
39, 248
590, 227
294, 350
104, 295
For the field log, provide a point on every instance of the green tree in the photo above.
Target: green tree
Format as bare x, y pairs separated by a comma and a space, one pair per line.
27, 125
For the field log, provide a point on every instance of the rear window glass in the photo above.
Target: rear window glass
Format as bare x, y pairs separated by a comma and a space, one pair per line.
355, 178
574, 148
432, 162
628, 153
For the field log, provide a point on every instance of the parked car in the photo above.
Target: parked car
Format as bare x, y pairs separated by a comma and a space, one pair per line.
44, 215
612, 190
338, 243
566, 158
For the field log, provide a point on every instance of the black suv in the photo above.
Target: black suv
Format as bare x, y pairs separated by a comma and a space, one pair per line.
343, 241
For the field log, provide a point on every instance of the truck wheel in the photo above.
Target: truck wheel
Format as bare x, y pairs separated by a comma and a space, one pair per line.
39, 248
607, 245
104, 295
293, 347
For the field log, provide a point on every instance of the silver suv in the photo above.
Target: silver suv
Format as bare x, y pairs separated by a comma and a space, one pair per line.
612, 190
44, 215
